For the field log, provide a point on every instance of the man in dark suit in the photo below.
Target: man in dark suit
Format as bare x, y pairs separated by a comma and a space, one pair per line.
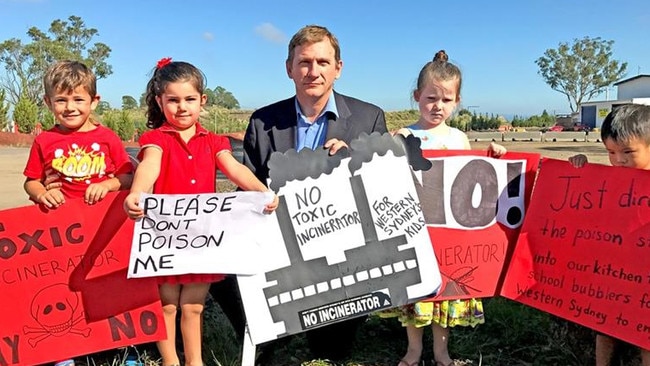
316, 117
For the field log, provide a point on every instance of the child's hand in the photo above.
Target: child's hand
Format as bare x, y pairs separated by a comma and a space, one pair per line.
132, 206
52, 180
95, 193
578, 161
51, 198
496, 150
273, 205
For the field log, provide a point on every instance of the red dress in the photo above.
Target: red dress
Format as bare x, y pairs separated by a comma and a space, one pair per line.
78, 158
186, 168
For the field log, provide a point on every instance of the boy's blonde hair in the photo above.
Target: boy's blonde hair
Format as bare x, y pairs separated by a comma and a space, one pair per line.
66, 76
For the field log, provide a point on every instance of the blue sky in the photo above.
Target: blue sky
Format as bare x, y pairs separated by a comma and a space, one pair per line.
242, 45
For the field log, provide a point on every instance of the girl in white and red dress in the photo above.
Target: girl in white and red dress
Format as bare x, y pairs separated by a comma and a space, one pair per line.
438, 94
179, 156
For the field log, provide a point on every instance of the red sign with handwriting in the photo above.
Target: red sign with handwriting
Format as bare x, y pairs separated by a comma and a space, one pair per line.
583, 249
473, 207
64, 286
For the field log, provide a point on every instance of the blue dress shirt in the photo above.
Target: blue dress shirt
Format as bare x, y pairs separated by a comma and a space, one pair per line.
312, 134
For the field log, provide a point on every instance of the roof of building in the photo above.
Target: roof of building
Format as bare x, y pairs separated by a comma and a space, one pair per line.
632, 78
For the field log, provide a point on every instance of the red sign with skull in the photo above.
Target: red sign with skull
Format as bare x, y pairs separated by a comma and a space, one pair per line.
57, 311
63, 279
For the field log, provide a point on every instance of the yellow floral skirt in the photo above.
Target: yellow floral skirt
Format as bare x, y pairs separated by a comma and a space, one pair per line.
447, 313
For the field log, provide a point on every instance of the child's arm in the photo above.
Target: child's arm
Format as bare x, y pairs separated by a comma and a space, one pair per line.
241, 176
578, 161
146, 175
402, 131
35, 168
97, 191
51, 198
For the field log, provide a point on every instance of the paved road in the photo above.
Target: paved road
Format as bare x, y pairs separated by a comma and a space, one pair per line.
12, 162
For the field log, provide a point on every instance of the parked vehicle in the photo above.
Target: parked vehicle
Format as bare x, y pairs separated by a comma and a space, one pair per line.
581, 127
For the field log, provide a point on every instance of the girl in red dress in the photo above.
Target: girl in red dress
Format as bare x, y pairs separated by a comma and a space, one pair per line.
179, 156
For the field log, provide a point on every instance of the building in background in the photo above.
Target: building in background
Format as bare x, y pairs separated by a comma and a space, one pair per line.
635, 90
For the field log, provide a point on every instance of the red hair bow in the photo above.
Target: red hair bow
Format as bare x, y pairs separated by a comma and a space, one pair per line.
163, 62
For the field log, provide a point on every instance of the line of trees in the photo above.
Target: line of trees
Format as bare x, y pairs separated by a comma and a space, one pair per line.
543, 120
464, 120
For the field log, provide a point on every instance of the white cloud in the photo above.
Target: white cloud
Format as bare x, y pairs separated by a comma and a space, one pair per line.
208, 36
269, 32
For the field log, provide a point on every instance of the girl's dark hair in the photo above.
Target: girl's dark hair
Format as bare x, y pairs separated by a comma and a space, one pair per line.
163, 74
439, 69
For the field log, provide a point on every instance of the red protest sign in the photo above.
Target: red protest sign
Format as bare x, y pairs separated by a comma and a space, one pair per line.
474, 207
63, 275
582, 250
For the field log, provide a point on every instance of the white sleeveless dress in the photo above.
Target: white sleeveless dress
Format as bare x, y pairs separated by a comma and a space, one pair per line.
446, 313
453, 140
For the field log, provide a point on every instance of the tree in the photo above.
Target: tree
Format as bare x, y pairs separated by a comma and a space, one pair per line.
581, 70
4, 111
546, 119
102, 107
47, 119
25, 64
225, 99
462, 120
143, 100
25, 114
211, 97
128, 102
464, 111
110, 120
125, 125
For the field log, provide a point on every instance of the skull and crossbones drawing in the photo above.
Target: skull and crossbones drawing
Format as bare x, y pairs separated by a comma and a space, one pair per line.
55, 310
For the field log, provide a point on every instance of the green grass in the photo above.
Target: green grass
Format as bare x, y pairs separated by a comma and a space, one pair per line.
513, 334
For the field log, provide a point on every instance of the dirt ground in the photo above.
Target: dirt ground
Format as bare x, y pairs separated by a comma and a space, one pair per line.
561, 150
13, 159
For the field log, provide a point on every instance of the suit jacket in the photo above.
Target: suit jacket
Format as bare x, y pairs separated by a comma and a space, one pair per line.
273, 128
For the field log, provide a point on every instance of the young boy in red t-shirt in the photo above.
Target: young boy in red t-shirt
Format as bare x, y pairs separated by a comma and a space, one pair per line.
77, 157
82, 158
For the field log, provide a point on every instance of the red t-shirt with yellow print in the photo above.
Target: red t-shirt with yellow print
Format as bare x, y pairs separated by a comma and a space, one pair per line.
77, 158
